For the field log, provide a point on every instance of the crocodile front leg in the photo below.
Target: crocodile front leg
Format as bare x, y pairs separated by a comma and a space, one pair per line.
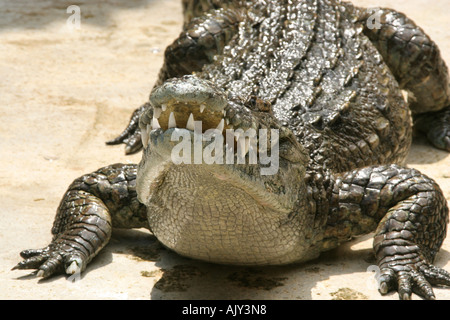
203, 38
93, 204
410, 216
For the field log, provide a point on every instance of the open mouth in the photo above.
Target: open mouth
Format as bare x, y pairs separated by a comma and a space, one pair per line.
184, 115
195, 105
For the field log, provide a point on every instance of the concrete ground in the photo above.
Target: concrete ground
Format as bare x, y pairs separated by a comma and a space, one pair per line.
64, 93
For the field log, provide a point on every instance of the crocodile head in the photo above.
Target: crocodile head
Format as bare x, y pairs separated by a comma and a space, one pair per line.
218, 175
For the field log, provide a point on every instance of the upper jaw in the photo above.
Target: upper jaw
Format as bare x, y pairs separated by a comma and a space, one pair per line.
181, 102
189, 89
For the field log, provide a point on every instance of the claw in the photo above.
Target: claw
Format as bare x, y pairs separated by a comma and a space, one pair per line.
384, 288
30, 263
131, 136
406, 296
31, 253
404, 285
73, 268
134, 143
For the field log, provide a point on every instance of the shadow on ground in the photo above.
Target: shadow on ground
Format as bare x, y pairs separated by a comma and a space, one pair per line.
422, 153
177, 277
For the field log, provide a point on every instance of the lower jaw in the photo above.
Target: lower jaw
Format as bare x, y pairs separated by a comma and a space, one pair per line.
199, 213
167, 152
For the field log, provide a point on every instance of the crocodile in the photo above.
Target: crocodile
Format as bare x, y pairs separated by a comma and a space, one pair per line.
331, 98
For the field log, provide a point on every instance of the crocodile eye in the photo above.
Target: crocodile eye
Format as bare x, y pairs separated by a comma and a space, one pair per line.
252, 102
257, 104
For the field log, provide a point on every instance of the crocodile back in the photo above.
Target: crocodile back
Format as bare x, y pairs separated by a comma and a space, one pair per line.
324, 79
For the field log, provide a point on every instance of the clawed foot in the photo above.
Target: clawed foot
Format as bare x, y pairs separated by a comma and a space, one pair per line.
408, 278
131, 136
52, 260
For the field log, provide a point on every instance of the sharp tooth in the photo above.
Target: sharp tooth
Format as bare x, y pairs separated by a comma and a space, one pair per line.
143, 130
202, 108
224, 113
227, 121
155, 124
172, 123
144, 137
190, 123
157, 112
221, 125
164, 107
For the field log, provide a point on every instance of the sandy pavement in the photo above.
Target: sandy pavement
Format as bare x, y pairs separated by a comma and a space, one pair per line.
64, 92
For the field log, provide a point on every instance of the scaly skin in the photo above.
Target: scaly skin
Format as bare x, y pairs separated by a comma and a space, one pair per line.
410, 215
329, 86
416, 63
92, 205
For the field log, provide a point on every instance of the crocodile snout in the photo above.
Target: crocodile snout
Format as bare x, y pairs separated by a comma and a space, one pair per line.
178, 103
189, 90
